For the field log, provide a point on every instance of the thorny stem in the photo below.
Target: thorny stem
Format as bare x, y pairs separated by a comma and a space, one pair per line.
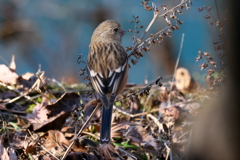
148, 86
211, 15
135, 30
220, 23
80, 131
144, 33
213, 66
138, 45
151, 38
172, 8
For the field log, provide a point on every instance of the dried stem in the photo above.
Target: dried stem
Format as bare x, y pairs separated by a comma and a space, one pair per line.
46, 89
36, 84
151, 38
4, 60
213, 66
176, 65
179, 55
211, 15
146, 113
80, 131
162, 15
220, 23
139, 91
156, 121
155, 16
172, 9
122, 150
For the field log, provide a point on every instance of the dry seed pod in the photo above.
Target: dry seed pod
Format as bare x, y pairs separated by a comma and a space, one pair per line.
184, 82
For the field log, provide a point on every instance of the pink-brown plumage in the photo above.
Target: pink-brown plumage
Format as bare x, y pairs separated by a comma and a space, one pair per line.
108, 69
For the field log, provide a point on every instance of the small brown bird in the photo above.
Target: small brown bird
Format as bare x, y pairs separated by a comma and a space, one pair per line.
108, 69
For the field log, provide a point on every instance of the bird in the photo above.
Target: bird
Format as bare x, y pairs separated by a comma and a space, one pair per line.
107, 69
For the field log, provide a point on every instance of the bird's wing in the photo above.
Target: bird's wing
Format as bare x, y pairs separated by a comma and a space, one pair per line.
109, 84
106, 81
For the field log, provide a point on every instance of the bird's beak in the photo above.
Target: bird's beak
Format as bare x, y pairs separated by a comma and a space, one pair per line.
122, 32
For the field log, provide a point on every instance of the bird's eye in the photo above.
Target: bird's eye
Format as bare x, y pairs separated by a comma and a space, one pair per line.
115, 29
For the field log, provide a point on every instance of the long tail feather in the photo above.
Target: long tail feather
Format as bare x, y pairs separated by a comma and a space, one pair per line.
105, 132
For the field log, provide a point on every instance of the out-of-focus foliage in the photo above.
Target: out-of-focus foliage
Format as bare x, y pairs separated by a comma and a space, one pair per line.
53, 33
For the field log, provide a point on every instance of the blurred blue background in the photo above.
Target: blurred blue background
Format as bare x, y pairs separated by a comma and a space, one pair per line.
53, 34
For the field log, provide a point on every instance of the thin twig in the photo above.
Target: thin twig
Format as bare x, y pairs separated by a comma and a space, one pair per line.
162, 15
176, 65
90, 134
211, 15
58, 83
34, 139
40, 79
179, 55
25, 94
172, 9
141, 90
4, 60
213, 66
155, 16
221, 25
155, 120
145, 113
15, 90
80, 131
122, 150
168, 151
151, 38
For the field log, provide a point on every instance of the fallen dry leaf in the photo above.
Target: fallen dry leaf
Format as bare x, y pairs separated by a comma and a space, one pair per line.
6, 153
52, 117
39, 113
6, 75
55, 142
140, 135
26, 81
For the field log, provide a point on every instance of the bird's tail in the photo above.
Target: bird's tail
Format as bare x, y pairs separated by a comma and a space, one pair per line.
105, 131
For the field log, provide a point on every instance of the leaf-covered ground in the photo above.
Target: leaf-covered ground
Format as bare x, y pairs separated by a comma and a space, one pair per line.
41, 118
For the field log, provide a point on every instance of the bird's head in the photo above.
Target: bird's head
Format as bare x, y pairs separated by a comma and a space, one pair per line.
108, 30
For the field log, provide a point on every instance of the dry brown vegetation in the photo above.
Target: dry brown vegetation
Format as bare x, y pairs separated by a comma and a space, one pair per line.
41, 118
